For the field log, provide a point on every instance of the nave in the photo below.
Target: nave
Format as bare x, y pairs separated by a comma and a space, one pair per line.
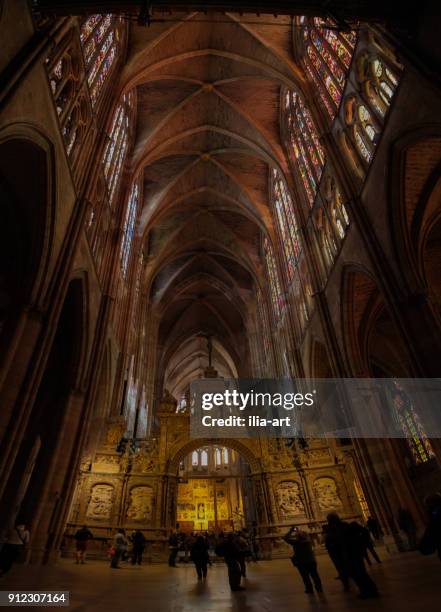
271, 585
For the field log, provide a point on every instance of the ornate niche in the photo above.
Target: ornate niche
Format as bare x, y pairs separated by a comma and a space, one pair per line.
140, 506
289, 500
100, 502
106, 463
326, 494
146, 460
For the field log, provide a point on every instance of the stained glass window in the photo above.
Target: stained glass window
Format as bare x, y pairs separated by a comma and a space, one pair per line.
339, 213
380, 83
327, 58
304, 145
129, 227
66, 80
414, 433
99, 36
286, 221
116, 148
365, 111
275, 290
263, 323
204, 458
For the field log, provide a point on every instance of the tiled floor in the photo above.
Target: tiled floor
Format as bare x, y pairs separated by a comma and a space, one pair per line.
408, 582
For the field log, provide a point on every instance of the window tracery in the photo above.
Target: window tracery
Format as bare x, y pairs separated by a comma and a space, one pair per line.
286, 221
275, 289
305, 151
66, 79
331, 219
298, 276
327, 55
100, 37
415, 436
129, 227
117, 145
366, 108
263, 322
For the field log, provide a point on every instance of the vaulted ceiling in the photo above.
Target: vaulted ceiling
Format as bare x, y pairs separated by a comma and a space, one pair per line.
207, 133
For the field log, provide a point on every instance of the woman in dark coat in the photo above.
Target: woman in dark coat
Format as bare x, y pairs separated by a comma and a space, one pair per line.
199, 556
229, 550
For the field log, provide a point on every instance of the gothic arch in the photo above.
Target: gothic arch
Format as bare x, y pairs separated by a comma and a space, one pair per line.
414, 194
320, 362
372, 341
185, 447
37, 459
28, 213
80, 277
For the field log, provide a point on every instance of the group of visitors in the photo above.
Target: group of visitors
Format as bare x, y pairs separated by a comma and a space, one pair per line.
234, 547
348, 544
119, 549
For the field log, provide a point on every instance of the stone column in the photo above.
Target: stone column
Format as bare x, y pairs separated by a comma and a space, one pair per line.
51, 508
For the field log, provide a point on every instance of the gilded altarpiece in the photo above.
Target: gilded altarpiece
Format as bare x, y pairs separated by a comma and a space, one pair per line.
288, 484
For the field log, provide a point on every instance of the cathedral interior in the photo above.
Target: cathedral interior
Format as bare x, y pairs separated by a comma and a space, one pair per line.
228, 190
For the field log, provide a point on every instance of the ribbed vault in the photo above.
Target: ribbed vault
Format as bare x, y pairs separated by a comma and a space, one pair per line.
208, 107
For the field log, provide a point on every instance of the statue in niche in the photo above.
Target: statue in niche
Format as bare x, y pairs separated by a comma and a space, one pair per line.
143, 463
289, 499
140, 503
100, 501
86, 464
325, 490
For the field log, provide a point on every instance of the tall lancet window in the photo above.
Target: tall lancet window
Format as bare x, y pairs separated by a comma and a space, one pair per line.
117, 144
298, 275
129, 227
377, 75
327, 56
286, 221
419, 446
263, 324
100, 38
304, 148
275, 290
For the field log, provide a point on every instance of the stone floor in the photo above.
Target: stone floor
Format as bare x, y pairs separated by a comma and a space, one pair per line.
408, 582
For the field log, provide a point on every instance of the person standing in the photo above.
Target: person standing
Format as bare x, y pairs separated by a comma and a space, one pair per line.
138, 544
335, 552
431, 540
199, 556
120, 546
304, 559
82, 537
173, 544
368, 545
244, 552
374, 527
228, 549
14, 547
407, 524
344, 540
